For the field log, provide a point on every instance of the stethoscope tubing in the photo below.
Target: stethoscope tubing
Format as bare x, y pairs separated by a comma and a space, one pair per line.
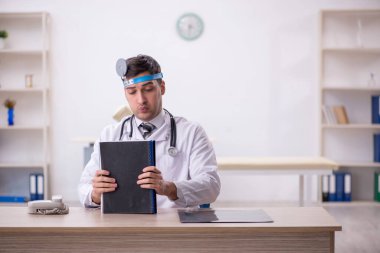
173, 131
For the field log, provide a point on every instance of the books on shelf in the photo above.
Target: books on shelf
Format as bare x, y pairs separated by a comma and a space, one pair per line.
337, 187
335, 114
377, 187
375, 106
376, 147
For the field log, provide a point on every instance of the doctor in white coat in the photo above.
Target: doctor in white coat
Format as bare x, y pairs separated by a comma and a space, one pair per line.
185, 174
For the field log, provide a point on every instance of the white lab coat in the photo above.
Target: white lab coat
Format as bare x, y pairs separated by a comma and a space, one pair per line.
193, 170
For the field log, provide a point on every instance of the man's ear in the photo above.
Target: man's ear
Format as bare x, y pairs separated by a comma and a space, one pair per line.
162, 87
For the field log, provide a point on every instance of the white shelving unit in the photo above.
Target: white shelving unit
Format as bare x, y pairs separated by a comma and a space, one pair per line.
24, 147
349, 53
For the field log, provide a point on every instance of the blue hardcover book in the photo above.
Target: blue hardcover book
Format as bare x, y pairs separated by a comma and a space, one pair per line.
339, 185
375, 110
332, 188
376, 147
33, 186
16, 199
347, 187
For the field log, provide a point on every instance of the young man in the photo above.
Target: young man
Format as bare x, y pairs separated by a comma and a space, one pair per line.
184, 175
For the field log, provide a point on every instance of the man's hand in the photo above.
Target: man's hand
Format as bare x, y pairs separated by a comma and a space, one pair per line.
151, 178
102, 183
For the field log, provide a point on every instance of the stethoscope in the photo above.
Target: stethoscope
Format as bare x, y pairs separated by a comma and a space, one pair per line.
172, 150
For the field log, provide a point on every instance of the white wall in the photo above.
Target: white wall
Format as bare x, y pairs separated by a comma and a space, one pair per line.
255, 65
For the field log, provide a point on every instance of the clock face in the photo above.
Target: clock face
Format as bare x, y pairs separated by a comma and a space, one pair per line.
190, 26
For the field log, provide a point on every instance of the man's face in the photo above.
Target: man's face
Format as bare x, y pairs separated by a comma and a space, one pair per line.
145, 98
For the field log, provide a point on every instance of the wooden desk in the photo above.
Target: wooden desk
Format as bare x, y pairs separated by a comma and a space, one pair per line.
283, 165
295, 229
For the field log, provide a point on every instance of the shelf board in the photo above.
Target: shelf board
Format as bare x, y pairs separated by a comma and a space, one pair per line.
352, 88
351, 126
21, 90
351, 203
358, 164
351, 50
22, 14
17, 128
21, 165
23, 51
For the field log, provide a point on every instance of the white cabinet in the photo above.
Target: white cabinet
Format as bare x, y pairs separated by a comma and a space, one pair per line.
24, 147
349, 66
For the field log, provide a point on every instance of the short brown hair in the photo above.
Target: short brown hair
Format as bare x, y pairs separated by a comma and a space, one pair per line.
140, 64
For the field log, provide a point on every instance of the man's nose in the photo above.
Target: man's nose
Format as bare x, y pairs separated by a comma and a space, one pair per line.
140, 97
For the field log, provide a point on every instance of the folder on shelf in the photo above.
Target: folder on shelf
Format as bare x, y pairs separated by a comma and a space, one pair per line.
33, 186
325, 188
40, 186
332, 188
375, 106
36, 186
339, 185
125, 161
15, 199
341, 114
347, 187
376, 147
377, 186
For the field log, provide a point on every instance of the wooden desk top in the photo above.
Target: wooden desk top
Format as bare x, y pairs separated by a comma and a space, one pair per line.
277, 163
286, 219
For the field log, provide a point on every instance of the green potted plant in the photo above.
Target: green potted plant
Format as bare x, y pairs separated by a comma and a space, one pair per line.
3, 36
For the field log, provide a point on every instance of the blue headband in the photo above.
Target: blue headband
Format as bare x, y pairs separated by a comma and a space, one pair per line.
141, 79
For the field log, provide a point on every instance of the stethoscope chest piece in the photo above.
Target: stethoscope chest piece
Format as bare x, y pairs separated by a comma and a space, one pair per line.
173, 151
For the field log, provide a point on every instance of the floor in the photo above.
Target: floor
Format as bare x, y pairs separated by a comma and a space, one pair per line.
360, 222
361, 228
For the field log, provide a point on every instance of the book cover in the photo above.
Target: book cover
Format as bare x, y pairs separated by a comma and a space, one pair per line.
341, 114
376, 147
375, 105
125, 161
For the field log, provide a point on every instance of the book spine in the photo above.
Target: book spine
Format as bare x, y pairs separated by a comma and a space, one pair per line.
325, 188
341, 114
152, 162
339, 184
347, 187
33, 186
332, 188
377, 186
376, 147
40, 186
375, 109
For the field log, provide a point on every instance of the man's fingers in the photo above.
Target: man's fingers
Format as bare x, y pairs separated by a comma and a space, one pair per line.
102, 173
149, 175
104, 185
151, 169
103, 179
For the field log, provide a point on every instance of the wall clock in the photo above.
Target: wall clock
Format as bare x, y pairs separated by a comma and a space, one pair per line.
190, 26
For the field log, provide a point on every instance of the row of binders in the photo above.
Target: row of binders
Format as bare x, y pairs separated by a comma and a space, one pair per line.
36, 190
36, 186
337, 187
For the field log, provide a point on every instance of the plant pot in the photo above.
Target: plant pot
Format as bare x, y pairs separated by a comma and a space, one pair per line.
2, 43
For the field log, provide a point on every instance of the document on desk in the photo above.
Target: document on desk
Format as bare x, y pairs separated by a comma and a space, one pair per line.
223, 216
125, 161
